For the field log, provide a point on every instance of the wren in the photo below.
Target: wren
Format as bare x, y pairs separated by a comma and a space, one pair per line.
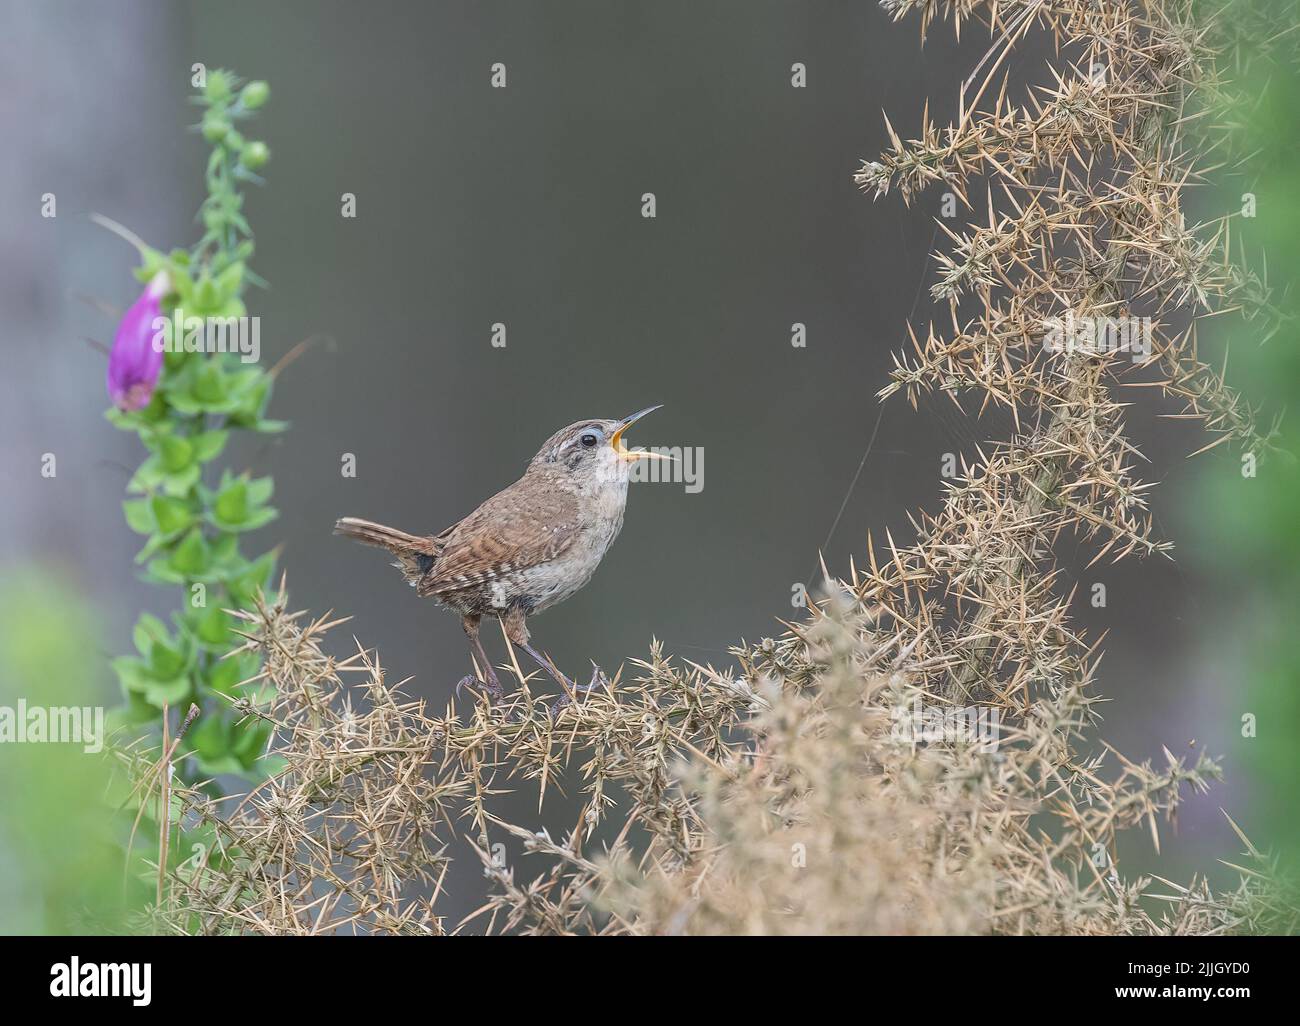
531, 545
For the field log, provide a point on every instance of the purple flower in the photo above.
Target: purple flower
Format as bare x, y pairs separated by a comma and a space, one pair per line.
135, 362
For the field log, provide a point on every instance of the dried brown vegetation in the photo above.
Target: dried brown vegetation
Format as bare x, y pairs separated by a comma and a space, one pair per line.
781, 796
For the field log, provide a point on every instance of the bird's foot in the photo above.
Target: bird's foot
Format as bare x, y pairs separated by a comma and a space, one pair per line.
598, 680
491, 687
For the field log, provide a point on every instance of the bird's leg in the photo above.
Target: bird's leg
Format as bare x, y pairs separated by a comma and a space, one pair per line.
515, 623
598, 680
516, 629
545, 662
492, 684
571, 690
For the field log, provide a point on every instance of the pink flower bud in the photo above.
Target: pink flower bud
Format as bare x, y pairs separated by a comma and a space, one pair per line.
134, 362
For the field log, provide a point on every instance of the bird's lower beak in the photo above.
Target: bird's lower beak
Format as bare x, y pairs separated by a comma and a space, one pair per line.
634, 454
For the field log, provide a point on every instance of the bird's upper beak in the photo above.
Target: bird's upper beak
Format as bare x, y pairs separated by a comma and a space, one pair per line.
634, 454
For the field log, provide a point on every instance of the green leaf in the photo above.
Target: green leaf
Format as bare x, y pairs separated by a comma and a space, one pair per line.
177, 453
174, 363
208, 445
182, 483
191, 557
167, 692
225, 675
254, 393
209, 384
165, 660
231, 280
269, 766
139, 516
259, 518
132, 673
207, 297
135, 712
225, 554
148, 477
210, 737
260, 491
237, 507
171, 515
249, 742
151, 262
213, 629
225, 765
182, 285
125, 420
155, 543
149, 629
138, 679
233, 307
231, 506
245, 585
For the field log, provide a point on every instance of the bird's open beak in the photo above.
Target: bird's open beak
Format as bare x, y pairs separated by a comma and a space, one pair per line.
634, 454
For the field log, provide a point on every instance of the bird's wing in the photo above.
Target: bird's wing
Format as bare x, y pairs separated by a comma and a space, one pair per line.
508, 533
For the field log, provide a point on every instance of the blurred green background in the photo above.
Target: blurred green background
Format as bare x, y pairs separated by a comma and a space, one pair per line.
1248, 541
60, 869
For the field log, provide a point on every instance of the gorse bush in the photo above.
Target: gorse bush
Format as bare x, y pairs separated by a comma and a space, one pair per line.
782, 800
792, 794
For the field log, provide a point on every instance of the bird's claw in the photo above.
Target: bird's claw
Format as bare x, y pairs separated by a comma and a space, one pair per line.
492, 688
598, 680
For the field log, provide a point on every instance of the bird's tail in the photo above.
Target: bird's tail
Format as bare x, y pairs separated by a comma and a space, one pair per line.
415, 553
389, 538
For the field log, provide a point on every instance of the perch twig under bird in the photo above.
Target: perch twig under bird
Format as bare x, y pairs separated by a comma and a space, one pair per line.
531, 545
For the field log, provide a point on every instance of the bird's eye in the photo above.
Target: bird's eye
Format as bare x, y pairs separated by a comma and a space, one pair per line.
589, 439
